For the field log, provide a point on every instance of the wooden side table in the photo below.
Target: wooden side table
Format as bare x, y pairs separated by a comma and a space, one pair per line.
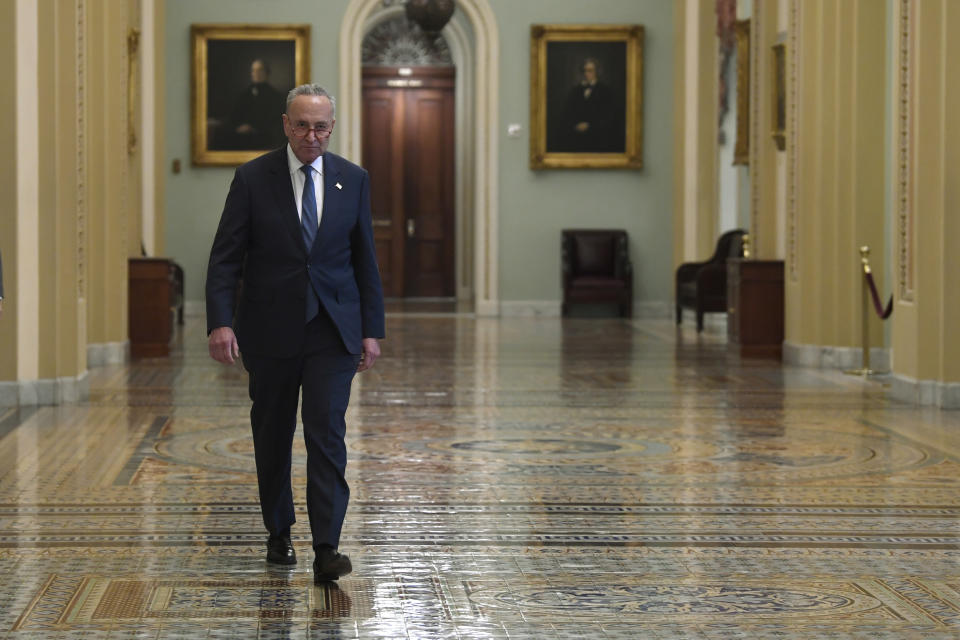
151, 297
755, 307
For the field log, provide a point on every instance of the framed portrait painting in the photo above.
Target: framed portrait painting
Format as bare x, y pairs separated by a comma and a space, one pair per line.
586, 96
241, 76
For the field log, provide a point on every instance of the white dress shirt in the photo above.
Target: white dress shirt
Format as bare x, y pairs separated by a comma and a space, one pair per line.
297, 178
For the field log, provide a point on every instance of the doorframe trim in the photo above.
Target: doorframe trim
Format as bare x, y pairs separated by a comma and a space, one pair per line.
477, 123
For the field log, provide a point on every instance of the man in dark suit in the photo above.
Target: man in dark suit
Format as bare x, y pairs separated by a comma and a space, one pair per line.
309, 314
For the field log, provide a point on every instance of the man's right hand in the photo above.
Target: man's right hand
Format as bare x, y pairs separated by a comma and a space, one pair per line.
223, 345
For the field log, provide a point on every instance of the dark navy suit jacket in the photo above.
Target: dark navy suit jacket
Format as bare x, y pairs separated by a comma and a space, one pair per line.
259, 240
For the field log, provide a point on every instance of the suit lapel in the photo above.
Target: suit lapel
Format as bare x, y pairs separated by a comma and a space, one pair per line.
283, 195
331, 196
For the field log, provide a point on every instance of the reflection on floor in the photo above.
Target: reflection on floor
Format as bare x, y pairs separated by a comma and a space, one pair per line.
513, 478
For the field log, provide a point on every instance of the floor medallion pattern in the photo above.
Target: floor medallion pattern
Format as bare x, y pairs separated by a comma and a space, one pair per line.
64, 602
515, 478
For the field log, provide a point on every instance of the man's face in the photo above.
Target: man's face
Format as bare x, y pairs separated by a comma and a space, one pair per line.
589, 73
314, 112
258, 72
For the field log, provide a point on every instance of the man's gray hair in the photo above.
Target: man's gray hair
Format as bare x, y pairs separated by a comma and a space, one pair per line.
311, 90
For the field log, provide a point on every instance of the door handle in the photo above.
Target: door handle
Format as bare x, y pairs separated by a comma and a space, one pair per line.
411, 227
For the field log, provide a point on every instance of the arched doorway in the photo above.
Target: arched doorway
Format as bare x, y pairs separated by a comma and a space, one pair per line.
408, 147
473, 39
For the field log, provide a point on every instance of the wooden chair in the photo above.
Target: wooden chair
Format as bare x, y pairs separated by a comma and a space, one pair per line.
596, 268
702, 286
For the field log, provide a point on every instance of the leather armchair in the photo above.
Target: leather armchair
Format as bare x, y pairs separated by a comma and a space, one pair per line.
702, 286
596, 268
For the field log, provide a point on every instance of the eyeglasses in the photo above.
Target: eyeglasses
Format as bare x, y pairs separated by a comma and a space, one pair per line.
301, 129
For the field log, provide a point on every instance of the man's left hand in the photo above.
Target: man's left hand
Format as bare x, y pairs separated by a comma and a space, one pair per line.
371, 351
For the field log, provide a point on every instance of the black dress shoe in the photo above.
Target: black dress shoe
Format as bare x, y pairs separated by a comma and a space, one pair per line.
280, 550
330, 565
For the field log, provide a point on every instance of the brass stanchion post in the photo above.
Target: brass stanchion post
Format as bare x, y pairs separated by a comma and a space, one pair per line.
865, 312
865, 369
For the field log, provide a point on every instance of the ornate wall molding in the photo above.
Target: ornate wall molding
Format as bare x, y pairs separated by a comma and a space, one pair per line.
756, 50
741, 147
133, 44
793, 127
397, 42
904, 194
118, 32
81, 195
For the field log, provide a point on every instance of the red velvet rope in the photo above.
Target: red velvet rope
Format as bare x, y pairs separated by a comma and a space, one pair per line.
883, 313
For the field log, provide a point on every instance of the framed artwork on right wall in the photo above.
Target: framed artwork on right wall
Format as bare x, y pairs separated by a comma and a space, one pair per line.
586, 96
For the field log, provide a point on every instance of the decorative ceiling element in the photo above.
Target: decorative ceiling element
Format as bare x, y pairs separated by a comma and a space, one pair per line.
398, 42
430, 15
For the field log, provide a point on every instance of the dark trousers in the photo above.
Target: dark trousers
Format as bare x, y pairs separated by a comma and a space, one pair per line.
324, 371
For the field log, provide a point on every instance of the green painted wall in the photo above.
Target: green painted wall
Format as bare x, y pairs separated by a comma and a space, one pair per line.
533, 206
536, 205
195, 196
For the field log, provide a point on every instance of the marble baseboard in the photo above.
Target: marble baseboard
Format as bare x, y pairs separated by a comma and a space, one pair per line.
529, 308
44, 392
194, 308
488, 308
714, 322
653, 309
945, 395
551, 308
106, 353
829, 357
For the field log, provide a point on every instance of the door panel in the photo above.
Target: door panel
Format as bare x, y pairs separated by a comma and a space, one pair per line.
429, 192
409, 150
382, 125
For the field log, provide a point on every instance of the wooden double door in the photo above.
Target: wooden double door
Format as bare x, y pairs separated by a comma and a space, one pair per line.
408, 149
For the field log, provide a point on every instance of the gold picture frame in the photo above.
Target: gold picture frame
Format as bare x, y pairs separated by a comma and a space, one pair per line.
241, 74
779, 98
586, 96
741, 149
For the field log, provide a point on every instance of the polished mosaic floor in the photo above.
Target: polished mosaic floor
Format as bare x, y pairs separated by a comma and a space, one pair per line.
512, 478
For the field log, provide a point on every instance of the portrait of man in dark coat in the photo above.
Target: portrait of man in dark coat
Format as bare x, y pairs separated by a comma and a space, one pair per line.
587, 115
252, 123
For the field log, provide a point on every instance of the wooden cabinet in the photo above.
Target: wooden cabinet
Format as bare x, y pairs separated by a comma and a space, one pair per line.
152, 297
755, 307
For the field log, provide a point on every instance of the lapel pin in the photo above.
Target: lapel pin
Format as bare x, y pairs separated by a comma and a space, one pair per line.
339, 186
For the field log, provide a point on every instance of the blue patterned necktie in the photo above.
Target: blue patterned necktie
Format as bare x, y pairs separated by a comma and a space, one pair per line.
309, 224
308, 216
